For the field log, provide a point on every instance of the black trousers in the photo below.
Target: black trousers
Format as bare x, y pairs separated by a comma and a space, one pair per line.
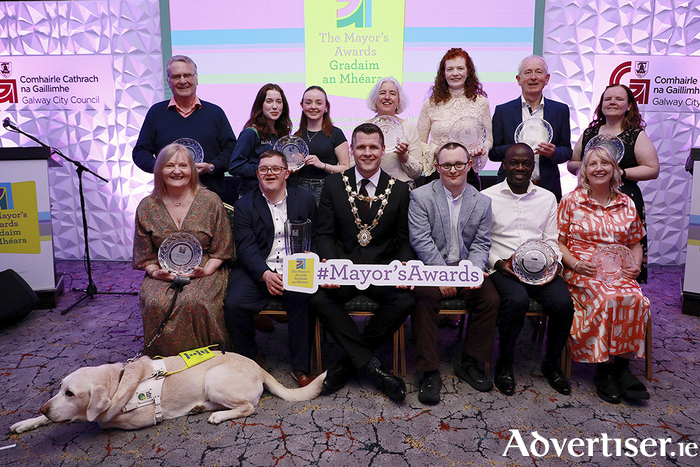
481, 328
515, 299
246, 297
394, 307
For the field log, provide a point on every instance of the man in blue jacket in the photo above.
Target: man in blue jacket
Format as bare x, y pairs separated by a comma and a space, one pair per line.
258, 230
186, 116
533, 76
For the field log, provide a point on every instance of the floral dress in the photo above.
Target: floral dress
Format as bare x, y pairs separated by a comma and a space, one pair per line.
198, 317
609, 319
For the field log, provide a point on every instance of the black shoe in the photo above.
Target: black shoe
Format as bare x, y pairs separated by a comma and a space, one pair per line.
391, 385
505, 382
606, 386
468, 369
430, 388
629, 385
338, 376
556, 379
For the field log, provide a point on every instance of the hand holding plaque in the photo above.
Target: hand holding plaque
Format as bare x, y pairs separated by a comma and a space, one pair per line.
611, 260
535, 262
180, 253
294, 149
471, 133
534, 131
392, 129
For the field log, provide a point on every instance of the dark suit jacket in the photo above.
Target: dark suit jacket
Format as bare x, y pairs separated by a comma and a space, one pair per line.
506, 119
253, 230
337, 231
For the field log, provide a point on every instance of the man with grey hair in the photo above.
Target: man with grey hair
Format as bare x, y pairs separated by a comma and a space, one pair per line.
186, 116
533, 76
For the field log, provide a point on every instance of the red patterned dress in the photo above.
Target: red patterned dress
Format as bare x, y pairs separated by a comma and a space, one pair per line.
608, 319
198, 317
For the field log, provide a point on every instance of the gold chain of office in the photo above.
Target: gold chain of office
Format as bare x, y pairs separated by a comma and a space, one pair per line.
364, 236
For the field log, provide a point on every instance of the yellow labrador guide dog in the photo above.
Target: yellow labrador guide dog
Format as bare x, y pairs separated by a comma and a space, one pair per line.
143, 392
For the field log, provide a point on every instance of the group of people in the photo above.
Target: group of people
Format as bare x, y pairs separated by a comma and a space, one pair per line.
420, 201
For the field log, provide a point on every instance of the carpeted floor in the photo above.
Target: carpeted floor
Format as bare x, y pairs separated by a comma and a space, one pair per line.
357, 426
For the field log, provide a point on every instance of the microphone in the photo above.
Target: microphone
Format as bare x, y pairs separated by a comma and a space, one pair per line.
6, 123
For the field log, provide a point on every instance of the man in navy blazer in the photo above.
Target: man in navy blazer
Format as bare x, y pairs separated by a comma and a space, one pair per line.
258, 231
533, 76
449, 221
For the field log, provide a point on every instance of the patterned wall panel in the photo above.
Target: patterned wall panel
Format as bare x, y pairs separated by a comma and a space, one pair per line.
574, 32
129, 32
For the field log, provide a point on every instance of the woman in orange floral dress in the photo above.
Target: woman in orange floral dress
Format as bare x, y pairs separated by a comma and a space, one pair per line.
610, 318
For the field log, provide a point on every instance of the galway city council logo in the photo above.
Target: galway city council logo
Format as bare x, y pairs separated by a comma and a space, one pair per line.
640, 87
356, 12
8, 91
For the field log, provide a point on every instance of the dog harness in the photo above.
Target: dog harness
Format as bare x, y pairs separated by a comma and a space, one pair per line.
149, 390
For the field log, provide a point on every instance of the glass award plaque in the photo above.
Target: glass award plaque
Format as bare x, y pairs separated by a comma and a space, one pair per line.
611, 142
294, 149
535, 262
392, 129
534, 131
297, 237
611, 259
471, 133
193, 147
180, 253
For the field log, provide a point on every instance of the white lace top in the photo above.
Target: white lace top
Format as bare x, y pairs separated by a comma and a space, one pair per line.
436, 120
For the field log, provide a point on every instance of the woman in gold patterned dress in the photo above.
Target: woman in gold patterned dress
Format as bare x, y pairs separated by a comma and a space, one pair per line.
179, 203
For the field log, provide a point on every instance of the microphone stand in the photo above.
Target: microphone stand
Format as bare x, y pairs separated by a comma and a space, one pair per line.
91, 289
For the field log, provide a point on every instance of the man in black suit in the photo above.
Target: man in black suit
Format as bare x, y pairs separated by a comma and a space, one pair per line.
363, 217
256, 277
533, 76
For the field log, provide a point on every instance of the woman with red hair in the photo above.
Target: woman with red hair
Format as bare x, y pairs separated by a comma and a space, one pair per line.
456, 93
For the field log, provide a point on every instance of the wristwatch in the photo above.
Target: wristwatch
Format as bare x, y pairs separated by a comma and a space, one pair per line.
211, 168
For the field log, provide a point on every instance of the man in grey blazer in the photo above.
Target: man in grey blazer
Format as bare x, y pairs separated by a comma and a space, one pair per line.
450, 221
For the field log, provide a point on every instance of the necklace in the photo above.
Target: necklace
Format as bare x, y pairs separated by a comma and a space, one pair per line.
179, 202
308, 135
364, 236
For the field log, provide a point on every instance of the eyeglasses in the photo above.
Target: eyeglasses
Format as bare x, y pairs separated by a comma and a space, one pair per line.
186, 76
275, 169
459, 166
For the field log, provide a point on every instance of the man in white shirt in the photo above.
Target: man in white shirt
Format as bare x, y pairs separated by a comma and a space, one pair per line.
257, 275
523, 211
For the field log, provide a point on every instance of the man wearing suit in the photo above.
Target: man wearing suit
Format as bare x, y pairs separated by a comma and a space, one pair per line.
256, 277
532, 77
363, 217
449, 221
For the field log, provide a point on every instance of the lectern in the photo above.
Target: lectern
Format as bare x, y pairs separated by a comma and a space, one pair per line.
691, 281
26, 242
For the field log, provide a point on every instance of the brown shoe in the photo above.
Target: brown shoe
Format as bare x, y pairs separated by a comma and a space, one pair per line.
304, 379
263, 323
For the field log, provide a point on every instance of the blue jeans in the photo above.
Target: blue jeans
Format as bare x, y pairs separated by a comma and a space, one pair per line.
313, 185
